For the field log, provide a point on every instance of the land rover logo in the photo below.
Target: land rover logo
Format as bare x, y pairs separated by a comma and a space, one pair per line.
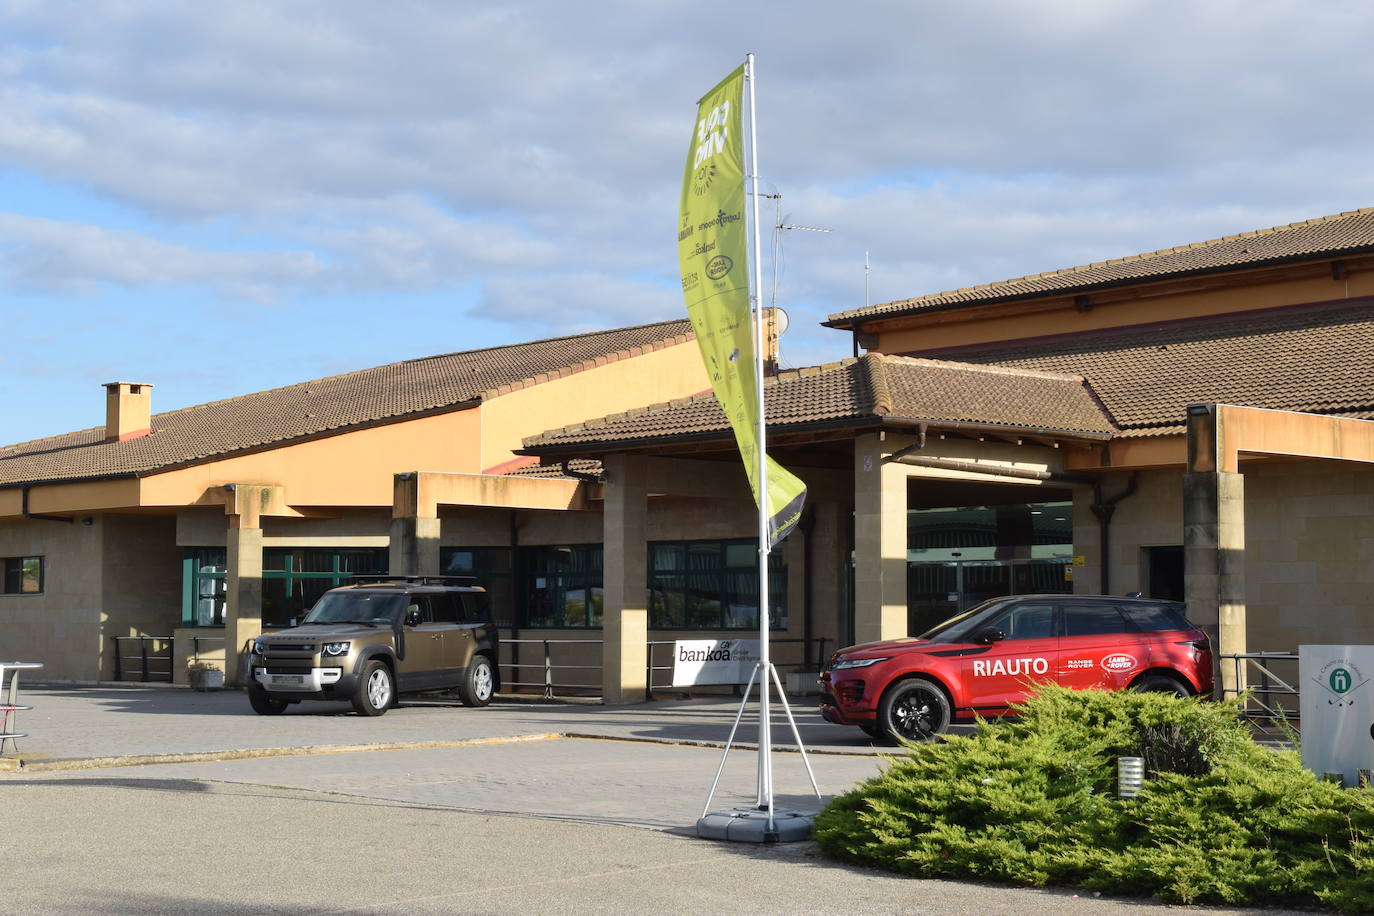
718, 266
1119, 662
1340, 680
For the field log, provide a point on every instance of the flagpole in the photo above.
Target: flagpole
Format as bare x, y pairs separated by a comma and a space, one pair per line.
765, 793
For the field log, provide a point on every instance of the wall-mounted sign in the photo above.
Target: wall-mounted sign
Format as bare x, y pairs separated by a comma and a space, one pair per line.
714, 661
1336, 700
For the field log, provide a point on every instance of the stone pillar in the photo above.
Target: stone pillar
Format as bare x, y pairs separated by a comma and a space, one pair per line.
625, 624
414, 544
880, 542
243, 599
1214, 539
1214, 562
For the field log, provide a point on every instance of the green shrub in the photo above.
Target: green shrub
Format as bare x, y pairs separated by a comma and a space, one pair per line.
1033, 801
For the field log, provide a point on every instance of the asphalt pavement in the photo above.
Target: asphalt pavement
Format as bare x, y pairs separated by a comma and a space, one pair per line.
166, 800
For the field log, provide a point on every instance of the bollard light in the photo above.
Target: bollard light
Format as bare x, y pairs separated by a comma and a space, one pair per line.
1130, 776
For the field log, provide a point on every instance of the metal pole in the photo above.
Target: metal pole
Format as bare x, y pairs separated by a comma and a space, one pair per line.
765, 794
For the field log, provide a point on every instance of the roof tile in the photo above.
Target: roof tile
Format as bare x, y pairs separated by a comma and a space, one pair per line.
324, 406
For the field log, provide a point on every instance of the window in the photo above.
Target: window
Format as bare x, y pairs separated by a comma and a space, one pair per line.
561, 586
23, 575
293, 579
713, 585
1092, 620
202, 577
1026, 621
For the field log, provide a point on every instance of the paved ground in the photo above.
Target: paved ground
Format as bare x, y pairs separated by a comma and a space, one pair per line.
163, 800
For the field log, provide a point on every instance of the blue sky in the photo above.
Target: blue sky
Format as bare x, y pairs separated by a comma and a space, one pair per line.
220, 199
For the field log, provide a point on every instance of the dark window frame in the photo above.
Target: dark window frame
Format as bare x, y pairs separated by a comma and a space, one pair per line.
663, 593
13, 571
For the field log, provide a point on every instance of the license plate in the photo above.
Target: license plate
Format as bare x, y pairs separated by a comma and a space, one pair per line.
288, 679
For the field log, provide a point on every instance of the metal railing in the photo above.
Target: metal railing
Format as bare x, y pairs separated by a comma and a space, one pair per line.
151, 657
1267, 681
155, 656
545, 667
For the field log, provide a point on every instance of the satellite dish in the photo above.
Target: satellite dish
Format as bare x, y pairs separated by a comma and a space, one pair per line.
782, 321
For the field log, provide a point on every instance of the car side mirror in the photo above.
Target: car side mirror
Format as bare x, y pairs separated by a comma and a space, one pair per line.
989, 635
413, 619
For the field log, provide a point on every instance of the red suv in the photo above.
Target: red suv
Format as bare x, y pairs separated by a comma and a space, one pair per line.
989, 657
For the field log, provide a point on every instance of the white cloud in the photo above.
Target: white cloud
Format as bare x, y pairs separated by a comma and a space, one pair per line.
531, 150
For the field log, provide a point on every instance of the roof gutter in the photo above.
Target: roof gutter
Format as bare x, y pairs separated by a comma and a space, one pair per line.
41, 518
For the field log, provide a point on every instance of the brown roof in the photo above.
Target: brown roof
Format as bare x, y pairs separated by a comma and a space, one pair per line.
385, 394
867, 391
1314, 358
1341, 234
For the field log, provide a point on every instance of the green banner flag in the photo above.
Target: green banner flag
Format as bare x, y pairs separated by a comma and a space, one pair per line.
714, 258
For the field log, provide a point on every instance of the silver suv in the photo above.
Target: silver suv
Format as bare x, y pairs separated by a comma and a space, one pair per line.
377, 638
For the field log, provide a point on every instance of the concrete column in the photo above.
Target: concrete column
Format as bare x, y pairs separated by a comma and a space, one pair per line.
1214, 561
625, 624
243, 601
880, 543
415, 529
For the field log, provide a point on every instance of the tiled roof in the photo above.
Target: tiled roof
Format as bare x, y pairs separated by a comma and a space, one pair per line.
1318, 359
1341, 234
863, 392
583, 466
326, 406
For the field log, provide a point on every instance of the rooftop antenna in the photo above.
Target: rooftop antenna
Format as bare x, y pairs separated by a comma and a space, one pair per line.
780, 223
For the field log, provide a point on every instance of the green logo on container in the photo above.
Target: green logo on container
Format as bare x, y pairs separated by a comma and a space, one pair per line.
1340, 680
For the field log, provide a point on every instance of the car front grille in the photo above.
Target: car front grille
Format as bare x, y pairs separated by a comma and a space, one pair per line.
287, 669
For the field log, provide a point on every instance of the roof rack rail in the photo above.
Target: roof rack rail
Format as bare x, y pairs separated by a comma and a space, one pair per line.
374, 579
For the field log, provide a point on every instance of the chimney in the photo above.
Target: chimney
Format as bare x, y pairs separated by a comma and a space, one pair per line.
128, 410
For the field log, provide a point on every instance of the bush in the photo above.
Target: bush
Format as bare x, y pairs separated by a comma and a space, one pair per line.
1033, 801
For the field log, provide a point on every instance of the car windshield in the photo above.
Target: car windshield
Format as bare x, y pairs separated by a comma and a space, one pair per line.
961, 626
356, 607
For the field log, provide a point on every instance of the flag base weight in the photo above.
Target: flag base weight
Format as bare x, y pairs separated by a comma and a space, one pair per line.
750, 825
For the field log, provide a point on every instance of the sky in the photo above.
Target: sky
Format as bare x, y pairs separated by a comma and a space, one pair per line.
217, 199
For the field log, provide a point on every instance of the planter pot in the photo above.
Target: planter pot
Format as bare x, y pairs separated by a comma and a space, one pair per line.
207, 679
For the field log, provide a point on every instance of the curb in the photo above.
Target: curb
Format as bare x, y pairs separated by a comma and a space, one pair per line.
76, 764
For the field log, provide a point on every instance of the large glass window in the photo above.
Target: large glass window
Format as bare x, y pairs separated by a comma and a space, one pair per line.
22, 575
293, 579
561, 586
713, 585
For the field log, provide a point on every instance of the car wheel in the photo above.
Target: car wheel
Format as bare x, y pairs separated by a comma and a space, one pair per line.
263, 703
914, 710
375, 690
479, 685
1161, 683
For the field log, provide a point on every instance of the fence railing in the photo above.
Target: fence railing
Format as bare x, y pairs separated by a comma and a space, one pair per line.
1269, 684
546, 674
549, 665
153, 658
143, 658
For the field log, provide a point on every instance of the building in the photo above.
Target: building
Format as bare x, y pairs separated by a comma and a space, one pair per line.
1193, 422
215, 520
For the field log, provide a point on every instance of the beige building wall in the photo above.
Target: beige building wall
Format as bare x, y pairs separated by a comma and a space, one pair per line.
1309, 547
141, 581
620, 385
60, 628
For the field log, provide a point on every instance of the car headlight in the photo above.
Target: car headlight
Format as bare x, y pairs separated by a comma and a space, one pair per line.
336, 648
259, 647
857, 662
